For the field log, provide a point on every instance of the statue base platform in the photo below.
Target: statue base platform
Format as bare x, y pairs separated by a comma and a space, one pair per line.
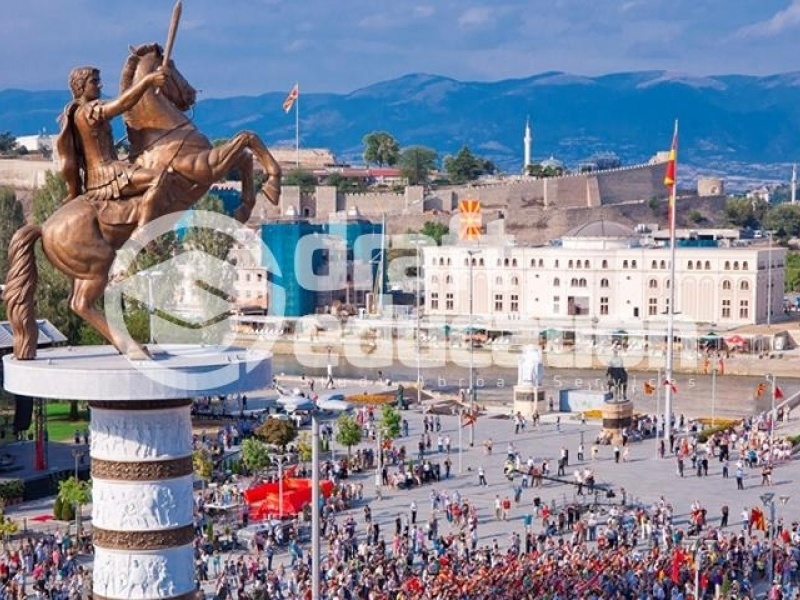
616, 417
141, 451
528, 399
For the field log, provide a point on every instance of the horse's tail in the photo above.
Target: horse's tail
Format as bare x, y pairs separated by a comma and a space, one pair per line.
20, 291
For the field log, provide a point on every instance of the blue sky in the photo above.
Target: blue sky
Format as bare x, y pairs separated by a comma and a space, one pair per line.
236, 47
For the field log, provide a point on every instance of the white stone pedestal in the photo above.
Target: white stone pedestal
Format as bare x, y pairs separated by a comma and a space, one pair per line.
141, 452
526, 399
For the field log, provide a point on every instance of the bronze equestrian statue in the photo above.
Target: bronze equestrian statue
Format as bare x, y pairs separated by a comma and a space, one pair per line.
171, 166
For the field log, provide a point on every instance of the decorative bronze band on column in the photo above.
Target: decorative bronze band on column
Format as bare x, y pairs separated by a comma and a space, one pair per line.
142, 471
139, 404
136, 541
193, 595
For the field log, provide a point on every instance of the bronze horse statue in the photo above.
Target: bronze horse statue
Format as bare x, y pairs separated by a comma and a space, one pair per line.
82, 237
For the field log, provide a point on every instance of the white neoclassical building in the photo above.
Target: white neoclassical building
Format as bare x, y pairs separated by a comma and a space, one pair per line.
604, 275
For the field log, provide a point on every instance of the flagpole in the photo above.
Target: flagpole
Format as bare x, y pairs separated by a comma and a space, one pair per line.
297, 125
668, 388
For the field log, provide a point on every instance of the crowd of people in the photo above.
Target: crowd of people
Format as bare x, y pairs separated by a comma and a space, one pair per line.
603, 552
45, 566
579, 549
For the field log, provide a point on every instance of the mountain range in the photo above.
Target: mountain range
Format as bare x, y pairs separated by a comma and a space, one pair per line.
746, 128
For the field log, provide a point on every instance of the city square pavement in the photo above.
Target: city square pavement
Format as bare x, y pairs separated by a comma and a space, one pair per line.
644, 477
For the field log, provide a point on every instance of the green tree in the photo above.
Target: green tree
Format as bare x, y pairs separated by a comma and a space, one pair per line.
416, 164
792, 283
8, 143
465, 166
53, 289
381, 149
76, 493
304, 448
538, 170
783, 219
11, 219
202, 463
8, 527
434, 230
255, 455
279, 432
346, 185
390, 422
348, 432
744, 212
305, 180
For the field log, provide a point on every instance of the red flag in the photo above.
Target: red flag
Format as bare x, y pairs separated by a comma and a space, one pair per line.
669, 175
778, 393
290, 99
669, 180
672, 386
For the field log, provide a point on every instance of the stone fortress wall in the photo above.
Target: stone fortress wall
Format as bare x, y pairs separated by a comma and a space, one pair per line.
533, 210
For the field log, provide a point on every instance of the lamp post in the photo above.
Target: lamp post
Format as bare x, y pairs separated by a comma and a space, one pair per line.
418, 242
772, 415
315, 508
77, 455
658, 404
768, 500
784, 499
278, 458
472, 391
150, 308
769, 278
714, 365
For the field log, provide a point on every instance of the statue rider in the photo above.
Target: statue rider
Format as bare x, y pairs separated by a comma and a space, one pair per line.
89, 163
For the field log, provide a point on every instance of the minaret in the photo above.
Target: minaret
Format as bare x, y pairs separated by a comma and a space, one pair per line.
526, 160
794, 183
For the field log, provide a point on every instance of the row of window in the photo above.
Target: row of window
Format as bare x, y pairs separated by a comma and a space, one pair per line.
499, 302
652, 305
692, 265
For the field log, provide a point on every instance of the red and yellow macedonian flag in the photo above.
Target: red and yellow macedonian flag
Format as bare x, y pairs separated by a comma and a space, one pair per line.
470, 219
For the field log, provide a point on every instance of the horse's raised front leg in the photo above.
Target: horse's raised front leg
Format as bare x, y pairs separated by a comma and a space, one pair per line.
272, 187
85, 293
245, 209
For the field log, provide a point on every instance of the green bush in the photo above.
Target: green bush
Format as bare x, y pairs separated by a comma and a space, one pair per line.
67, 512
11, 489
57, 508
703, 436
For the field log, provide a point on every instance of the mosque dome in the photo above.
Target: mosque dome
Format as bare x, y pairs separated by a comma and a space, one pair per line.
601, 229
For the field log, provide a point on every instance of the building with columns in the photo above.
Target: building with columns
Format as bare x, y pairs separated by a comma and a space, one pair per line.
605, 276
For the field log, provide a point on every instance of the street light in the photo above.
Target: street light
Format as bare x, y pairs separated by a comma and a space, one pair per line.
278, 458
772, 416
77, 455
315, 508
472, 391
769, 278
417, 243
150, 308
768, 500
714, 365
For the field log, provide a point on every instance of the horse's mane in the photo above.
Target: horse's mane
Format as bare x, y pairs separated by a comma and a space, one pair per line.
129, 69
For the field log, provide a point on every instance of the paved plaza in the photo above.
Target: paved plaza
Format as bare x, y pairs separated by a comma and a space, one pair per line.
643, 477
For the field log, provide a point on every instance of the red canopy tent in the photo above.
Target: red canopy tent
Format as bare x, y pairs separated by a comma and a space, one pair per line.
265, 499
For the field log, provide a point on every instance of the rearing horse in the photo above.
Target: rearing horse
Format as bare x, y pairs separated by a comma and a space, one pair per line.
82, 237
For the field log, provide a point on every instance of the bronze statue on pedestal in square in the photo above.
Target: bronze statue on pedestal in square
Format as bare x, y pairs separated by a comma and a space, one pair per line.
170, 167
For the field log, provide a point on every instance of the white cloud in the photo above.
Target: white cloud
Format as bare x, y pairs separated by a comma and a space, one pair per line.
786, 19
475, 16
